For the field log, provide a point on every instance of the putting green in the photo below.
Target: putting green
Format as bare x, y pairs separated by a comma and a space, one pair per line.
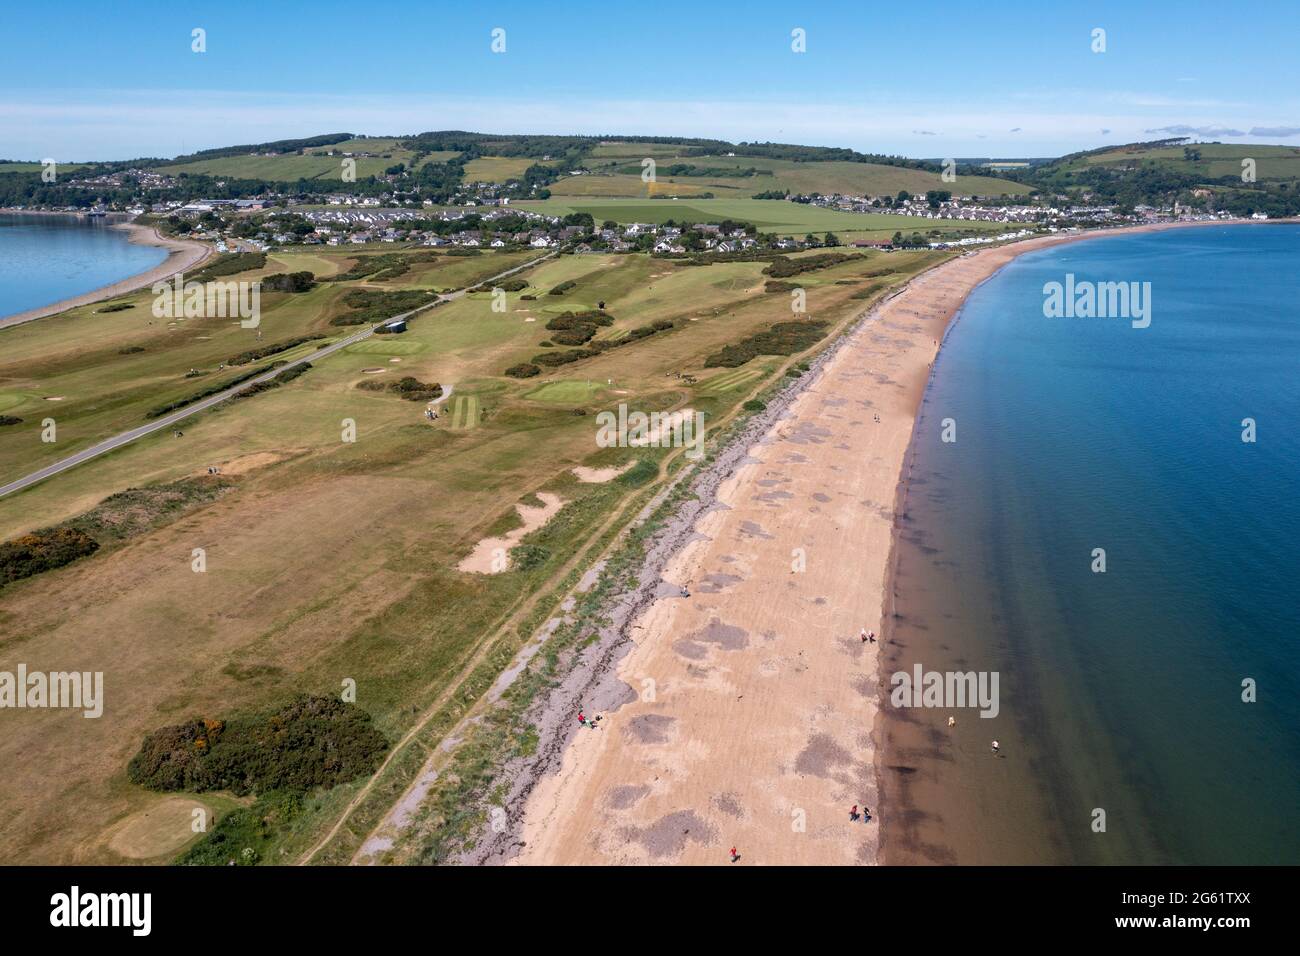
10, 399
565, 392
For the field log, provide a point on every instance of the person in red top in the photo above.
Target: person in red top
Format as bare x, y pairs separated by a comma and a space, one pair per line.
853, 813
582, 719
734, 855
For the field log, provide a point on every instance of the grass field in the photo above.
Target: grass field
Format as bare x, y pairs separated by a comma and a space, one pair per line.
727, 381
497, 169
565, 392
329, 559
1272, 163
776, 216
315, 164
61, 168
609, 164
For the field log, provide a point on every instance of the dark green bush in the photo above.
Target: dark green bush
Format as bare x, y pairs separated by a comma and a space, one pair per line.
309, 742
43, 550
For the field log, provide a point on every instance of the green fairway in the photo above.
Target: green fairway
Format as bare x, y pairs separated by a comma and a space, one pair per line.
10, 399
733, 379
567, 392
385, 345
464, 412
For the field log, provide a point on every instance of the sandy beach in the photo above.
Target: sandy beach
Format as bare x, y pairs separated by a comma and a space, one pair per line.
751, 707
183, 254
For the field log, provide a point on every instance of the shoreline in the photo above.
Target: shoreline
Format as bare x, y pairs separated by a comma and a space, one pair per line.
904, 836
601, 803
183, 254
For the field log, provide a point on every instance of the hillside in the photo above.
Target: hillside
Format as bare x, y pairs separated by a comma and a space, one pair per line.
1201, 176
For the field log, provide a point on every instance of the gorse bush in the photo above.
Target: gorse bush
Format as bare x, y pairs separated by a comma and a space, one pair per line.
307, 743
370, 305
43, 550
289, 282
784, 338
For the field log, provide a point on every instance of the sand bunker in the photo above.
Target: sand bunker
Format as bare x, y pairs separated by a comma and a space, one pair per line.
668, 424
251, 462
598, 476
491, 555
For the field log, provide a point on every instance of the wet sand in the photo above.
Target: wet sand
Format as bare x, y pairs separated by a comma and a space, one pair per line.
751, 705
183, 255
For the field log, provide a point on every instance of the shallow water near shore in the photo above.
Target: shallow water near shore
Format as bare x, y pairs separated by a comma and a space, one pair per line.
46, 259
1123, 734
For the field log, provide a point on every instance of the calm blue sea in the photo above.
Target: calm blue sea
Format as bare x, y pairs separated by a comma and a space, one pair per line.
44, 259
1124, 736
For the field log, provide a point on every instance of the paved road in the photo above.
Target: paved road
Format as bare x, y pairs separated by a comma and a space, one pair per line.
167, 421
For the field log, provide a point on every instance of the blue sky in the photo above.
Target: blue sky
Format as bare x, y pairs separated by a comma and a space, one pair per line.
116, 80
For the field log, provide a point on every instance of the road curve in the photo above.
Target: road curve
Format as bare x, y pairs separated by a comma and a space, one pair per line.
125, 438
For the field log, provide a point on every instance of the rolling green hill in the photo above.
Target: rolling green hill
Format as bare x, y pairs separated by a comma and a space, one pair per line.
615, 170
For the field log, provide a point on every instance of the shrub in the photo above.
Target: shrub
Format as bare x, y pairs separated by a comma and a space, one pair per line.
783, 267
116, 307
523, 370
228, 265
413, 390
289, 282
308, 742
643, 471
162, 410
130, 350
10, 420
563, 287
252, 355
43, 550
754, 405
783, 338
370, 305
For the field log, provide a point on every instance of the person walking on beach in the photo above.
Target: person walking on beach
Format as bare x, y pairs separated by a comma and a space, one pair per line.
582, 718
995, 746
866, 814
853, 812
734, 855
